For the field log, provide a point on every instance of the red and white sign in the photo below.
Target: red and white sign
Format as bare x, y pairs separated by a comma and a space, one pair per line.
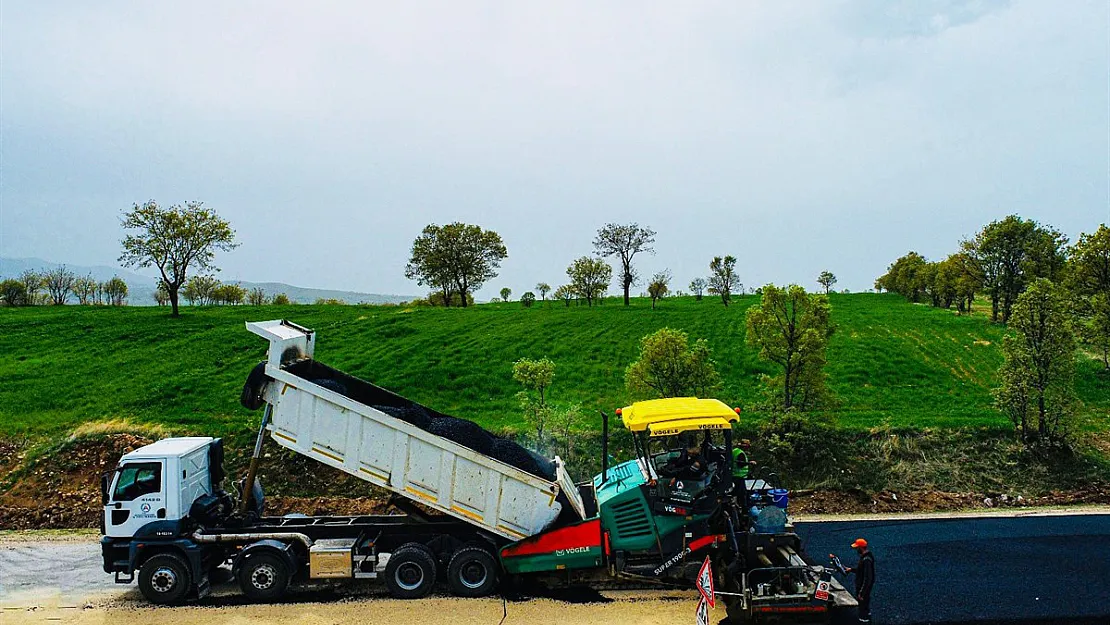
705, 583
702, 617
822, 593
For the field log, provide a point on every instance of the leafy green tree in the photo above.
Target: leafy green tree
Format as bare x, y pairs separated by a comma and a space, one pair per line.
669, 366
565, 420
967, 279
906, 277
791, 328
624, 242
536, 377
229, 294
457, 259
697, 287
723, 279
13, 293
659, 287
59, 284
281, 299
200, 290
1011, 253
528, 299
435, 298
176, 240
115, 290
589, 278
827, 280
1088, 277
544, 288
564, 292
1038, 371
505, 293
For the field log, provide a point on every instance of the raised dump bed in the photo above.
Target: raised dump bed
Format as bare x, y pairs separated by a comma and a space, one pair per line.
395, 443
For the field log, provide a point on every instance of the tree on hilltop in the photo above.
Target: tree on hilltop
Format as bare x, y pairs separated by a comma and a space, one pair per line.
457, 259
176, 240
624, 241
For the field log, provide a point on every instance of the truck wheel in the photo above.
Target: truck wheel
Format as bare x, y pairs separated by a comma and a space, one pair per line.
411, 572
264, 576
472, 572
165, 579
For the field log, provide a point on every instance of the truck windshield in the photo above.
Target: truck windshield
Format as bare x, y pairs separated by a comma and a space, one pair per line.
138, 479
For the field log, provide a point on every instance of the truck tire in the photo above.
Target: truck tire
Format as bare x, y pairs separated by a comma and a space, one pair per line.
472, 572
165, 579
264, 576
411, 572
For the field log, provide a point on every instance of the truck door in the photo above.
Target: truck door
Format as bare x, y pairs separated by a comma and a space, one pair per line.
138, 497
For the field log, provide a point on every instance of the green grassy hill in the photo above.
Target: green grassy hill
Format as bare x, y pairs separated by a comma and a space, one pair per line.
889, 361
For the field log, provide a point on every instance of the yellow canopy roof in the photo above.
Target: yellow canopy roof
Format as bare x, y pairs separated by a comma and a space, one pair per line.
677, 426
687, 413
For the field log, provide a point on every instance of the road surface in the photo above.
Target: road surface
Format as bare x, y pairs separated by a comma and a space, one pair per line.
1030, 570
1014, 570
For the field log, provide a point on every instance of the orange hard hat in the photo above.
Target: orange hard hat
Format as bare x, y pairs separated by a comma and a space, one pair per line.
859, 543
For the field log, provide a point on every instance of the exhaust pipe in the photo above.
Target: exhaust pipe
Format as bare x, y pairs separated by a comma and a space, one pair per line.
604, 446
251, 537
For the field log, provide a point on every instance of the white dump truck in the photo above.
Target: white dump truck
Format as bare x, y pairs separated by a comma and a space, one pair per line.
171, 532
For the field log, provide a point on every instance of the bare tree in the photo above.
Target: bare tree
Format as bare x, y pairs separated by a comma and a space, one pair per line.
85, 289
256, 297
34, 282
624, 242
59, 284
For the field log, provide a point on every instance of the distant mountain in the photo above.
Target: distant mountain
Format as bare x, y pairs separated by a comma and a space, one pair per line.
141, 287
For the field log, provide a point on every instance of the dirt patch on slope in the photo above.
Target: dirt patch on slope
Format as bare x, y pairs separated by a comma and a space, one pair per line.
61, 489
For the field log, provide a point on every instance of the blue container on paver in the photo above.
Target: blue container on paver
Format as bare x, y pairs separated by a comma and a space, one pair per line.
780, 497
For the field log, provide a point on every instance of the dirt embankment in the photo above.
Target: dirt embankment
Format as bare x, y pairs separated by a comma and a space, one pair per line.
61, 490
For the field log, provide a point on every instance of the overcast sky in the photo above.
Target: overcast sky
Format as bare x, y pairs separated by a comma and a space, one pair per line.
797, 136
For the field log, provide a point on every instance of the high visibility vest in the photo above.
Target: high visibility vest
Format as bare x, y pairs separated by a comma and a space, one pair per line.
739, 463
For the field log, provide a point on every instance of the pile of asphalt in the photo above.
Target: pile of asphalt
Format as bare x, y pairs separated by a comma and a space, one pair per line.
464, 432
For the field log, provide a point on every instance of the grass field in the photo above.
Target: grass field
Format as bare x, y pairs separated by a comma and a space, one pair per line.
890, 362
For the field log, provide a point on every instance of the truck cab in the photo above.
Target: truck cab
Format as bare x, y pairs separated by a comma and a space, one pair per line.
153, 487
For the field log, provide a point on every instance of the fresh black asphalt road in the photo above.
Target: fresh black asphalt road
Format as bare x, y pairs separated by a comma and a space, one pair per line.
1028, 570
1034, 569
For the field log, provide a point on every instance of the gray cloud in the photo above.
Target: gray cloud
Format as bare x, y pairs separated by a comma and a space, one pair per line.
330, 134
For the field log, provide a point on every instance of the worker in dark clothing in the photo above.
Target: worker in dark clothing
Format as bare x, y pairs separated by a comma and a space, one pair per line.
865, 578
689, 464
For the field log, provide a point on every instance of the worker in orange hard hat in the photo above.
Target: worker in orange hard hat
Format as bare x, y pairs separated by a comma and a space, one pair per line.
865, 578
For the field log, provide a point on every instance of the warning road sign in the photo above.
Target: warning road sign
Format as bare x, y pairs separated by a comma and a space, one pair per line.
702, 617
705, 583
822, 593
